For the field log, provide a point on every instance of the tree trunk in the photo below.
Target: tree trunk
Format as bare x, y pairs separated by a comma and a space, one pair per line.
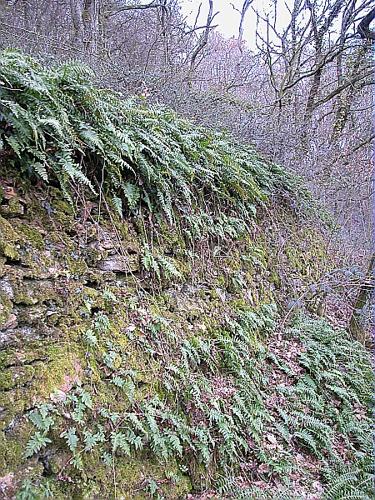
364, 295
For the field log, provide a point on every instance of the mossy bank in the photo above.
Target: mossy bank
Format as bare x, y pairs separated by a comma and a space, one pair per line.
149, 348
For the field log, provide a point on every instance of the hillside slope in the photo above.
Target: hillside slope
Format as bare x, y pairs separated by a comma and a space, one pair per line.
146, 270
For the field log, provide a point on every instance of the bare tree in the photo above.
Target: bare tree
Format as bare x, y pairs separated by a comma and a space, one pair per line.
364, 26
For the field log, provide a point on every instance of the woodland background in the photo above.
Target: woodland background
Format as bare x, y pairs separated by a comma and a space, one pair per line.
302, 94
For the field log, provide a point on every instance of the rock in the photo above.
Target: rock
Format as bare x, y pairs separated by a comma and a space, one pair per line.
8, 240
7, 485
23, 335
106, 240
13, 209
6, 289
10, 323
32, 315
58, 396
119, 264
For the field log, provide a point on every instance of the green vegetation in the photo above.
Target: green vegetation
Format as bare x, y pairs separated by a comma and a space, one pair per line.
60, 127
212, 406
147, 352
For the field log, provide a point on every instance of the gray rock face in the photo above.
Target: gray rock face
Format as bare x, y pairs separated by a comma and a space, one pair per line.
119, 264
14, 336
6, 289
10, 323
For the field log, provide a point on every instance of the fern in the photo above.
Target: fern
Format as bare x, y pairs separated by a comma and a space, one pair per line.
36, 443
71, 438
132, 194
41, 418
91, 440
63, 128
220, 408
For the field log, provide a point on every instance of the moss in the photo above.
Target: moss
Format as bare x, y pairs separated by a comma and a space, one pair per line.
2, 265
9, 240
75, 265
275, 278
61, 206
241, 280
34, 292
306, 255
29, 376
132, 475
11, 451
238, 304
221, 281
13, 208
6, 307
32, 236
170, 239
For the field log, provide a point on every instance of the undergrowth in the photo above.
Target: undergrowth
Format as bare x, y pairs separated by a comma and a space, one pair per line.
234, 407
59, 127
218, 405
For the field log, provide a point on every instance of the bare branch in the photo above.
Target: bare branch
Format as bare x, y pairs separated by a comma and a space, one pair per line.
364, 26
245, 8
349, 83
204, 37
152, 5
